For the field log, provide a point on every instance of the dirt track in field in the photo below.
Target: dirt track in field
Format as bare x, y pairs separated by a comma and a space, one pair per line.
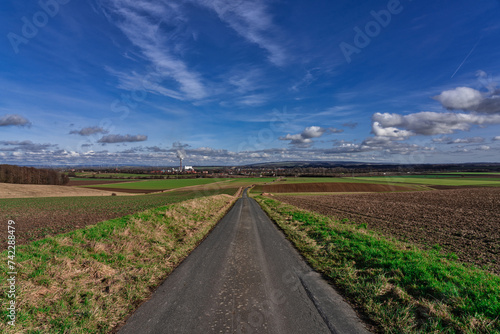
332, 187
463, 221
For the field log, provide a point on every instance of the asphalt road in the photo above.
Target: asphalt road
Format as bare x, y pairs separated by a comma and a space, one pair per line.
245, 277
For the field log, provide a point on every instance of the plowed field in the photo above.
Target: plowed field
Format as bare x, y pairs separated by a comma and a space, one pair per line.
36, 218
331, 187
463, 221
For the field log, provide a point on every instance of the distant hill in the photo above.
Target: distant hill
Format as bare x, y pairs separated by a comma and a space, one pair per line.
361, 165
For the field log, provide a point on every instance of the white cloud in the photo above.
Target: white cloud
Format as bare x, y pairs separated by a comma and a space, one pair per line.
460, 98
429, 123
304, 139
465, 98
390, 131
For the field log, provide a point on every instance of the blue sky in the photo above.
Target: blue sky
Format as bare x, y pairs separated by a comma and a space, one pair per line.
236, 82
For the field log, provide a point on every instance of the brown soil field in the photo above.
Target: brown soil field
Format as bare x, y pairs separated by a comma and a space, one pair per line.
10, 190
36, 218
463, 221
332, 187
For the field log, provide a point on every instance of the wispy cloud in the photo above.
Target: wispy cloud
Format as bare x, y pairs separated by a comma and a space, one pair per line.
253, 100
247, 80
141, 22
251, 20
150, 82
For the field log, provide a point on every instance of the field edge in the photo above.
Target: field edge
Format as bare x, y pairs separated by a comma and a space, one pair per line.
350, 257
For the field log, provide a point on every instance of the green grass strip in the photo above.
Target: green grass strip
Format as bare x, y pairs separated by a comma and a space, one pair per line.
401, 288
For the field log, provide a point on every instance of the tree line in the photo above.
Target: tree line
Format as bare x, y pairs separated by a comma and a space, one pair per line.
31, 175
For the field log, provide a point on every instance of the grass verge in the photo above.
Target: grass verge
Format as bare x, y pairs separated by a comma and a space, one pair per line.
88, 280
399, 287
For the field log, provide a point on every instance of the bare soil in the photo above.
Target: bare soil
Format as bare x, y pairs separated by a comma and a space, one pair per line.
463, 221
10, 190
332, 187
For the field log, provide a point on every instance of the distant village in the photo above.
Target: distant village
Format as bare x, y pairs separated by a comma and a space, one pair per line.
295, 170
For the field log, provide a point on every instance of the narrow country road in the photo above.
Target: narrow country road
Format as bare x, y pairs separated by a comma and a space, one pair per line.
245, 277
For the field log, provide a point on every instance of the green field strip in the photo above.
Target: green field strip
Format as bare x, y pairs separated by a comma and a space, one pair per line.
159, 184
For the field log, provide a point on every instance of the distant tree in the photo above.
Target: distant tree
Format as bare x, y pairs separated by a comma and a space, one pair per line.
30, 175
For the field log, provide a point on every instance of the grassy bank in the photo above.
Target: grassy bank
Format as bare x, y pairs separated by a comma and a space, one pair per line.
89, 280
398, 286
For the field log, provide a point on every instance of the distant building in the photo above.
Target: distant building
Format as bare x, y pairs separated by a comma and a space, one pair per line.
186, 168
